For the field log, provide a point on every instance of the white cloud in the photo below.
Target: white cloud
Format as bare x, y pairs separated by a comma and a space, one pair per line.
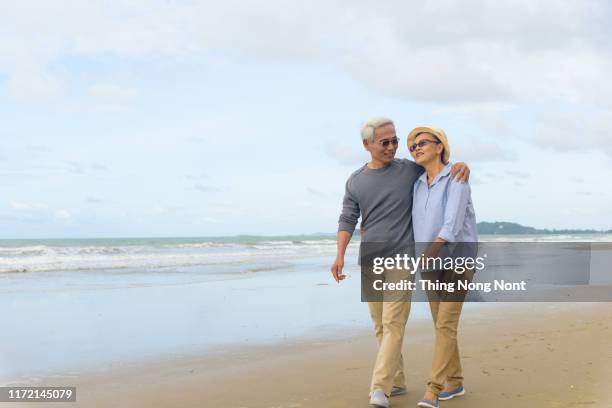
205, 188
74, 167
109, 92
163, 210
449, 52
62, 214
315, 192
479, 151
348, 155
34, 86
479, 51
157, 210
98, 167
209, 220
517, 174
95, 200
27, 206
433, 75
202, 176
79, 167
42, 149
36, 209
483, 69
575, 131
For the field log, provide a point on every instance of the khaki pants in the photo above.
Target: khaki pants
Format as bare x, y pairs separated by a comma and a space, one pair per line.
389, 319
446, 311
389, 323
446, 364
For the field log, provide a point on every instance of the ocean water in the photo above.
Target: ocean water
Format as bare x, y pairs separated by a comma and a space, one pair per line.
224, 254
81, 255
72, 306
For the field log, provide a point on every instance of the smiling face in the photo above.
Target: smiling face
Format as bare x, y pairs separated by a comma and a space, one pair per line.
428, 149
382, 155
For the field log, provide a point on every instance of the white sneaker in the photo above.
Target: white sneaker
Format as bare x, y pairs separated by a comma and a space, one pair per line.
379, 399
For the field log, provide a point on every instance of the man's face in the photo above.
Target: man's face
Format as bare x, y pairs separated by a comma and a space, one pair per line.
384, 135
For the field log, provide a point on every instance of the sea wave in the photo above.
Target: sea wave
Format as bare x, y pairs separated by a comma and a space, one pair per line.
148, 254
43, 258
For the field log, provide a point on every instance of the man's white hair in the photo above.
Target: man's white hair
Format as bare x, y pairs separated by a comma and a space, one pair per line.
367, 131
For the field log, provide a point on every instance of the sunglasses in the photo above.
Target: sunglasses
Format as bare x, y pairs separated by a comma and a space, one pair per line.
387, 142
422, 143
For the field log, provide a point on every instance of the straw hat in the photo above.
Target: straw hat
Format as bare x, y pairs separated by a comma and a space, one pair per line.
437, 132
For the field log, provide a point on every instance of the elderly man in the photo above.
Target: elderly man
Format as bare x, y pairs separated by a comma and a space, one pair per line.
381, 192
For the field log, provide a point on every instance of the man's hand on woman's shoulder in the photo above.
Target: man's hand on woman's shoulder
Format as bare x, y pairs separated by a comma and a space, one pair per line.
460, 172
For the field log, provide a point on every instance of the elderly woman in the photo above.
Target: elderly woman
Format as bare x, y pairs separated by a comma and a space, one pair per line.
444, 222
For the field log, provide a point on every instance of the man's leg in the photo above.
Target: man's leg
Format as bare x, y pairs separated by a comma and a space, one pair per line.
376, 309
389, 311
400, 379
393, 322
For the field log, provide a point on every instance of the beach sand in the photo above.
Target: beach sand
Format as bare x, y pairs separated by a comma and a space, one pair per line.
514, 355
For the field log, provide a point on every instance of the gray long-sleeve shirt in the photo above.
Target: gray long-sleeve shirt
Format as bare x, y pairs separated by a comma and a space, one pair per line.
383, 198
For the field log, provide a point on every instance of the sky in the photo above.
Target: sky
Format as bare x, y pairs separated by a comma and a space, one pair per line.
205, 118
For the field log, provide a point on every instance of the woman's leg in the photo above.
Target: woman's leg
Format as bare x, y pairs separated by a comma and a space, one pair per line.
446, 364
454, 378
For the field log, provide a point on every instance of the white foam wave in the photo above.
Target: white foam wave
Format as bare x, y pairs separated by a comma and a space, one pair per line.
117, 254
55, 258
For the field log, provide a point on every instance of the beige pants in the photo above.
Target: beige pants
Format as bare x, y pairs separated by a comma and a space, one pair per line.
446, 311
389, 319
446, 364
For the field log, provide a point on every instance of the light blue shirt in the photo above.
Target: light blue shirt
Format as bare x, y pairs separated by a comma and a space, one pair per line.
443, 210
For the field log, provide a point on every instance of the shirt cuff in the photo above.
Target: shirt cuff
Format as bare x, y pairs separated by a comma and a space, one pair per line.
447, 235
343, 226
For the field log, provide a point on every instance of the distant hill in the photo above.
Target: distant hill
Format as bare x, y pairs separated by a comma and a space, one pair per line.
498, 228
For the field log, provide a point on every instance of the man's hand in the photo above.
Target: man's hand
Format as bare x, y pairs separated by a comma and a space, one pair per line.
343, 240
461, 172
336, 269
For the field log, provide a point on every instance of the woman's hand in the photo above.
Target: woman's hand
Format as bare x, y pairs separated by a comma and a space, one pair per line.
434, 248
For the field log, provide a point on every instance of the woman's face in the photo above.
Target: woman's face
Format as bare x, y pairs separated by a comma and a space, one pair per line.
427, 149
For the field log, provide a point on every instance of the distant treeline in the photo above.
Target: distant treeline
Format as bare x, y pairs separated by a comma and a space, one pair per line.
496, 228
